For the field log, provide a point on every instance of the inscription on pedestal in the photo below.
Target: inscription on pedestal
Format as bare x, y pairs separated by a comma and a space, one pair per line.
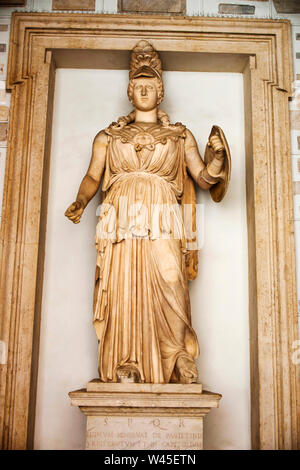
111, 433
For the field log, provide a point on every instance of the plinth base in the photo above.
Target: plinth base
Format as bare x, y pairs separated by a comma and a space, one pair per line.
144, 416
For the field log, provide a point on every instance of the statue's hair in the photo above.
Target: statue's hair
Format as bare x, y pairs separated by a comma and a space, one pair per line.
162, 116
159, 87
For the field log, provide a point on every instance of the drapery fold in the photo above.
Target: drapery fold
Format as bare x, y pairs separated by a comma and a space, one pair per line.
143, 316
141, 301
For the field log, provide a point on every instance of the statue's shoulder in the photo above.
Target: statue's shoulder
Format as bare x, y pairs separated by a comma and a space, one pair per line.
178, 128
117, 129
101, 137
166, 130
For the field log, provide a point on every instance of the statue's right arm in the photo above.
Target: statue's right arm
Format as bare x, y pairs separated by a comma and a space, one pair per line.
91, 181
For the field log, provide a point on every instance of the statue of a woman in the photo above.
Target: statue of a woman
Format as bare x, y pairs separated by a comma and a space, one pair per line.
141, 302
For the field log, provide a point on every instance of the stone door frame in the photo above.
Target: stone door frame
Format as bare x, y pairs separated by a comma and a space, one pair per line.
261, 50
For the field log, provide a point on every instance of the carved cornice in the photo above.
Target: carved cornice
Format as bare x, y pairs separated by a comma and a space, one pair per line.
35, 30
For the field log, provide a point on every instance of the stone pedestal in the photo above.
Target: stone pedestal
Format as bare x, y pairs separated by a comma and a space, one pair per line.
129, 416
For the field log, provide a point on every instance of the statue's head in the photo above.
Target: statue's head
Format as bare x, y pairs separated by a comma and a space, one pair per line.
145, 89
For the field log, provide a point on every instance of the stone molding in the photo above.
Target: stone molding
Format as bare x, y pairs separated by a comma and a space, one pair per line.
132, 414
103, 399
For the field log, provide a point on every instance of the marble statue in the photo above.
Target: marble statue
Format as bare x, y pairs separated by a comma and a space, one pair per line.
145, 255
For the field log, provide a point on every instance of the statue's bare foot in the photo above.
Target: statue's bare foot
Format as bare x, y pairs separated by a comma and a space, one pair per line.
128, 373
186, 370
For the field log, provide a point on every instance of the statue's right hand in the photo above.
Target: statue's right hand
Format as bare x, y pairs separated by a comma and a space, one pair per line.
74, 212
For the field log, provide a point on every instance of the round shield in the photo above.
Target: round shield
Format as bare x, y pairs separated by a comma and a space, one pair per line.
219, 189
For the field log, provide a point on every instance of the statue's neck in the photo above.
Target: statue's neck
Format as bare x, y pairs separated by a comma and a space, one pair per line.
146, 116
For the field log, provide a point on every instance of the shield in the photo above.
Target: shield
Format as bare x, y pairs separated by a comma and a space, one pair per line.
218, 190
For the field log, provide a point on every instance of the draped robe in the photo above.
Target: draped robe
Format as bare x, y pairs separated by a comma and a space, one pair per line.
141, 300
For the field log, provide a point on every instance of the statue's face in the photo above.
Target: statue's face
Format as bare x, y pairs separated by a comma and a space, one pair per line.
145, 95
